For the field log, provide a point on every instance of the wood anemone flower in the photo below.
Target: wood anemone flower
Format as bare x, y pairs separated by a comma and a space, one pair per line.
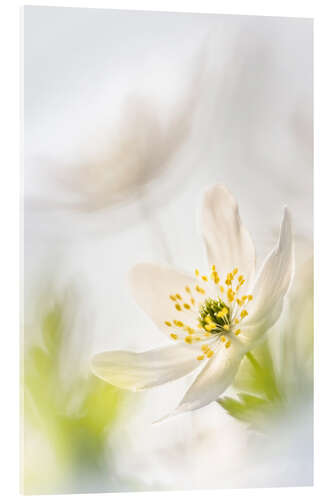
211, 320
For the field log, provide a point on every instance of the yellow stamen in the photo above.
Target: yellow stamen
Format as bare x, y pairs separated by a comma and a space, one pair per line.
178, 296
178, 323
231, 295
209, 354
187, 289
237, 332
204, 347
244, 313
188, 340
228, 344
178, 307
226, 327
167, 323
187, 306
201, 357
222, 338
222, 313
174, 336
210, 326
197, 272
172, 297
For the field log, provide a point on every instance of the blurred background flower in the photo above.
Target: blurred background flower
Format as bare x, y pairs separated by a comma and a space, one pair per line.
127, 116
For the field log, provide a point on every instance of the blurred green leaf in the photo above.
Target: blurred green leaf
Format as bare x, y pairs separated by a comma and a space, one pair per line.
76, 433
264, 385
246, 408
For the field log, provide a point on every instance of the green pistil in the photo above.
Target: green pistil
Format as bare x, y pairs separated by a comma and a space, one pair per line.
210, 312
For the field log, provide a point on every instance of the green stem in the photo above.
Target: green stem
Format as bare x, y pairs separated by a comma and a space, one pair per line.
253, 361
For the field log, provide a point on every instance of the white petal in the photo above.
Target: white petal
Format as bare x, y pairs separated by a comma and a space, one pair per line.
272, 283
228, 243
214, 379
137, 371
152, 285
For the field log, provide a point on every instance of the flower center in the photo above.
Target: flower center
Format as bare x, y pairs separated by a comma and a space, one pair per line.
214, 316
211, 320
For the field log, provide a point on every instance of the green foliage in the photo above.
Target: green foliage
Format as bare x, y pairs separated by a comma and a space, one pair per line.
73, 420
259, 394
265, 385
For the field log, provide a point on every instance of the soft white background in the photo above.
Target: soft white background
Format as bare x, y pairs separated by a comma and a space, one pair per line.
244, 84
10, 323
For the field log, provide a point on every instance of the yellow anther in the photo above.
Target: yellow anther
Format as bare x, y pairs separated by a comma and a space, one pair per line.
187, 289
209, 354
222, 338
197, 339
187, 306
174, 336
239, 302
178, 296
226, 327
178, 307
192, 301
214, 276
250, 297
201, 357
208, 318
244, 298
204, 278
188, 340
199, 289
236, 321
207, 334
178, 323
213, 268
167, 323
235, 271
228, 344
172, 297
231, 294
221, 289
237, 332
244, 313
197, 272
204, 347
222, 313
210, 326
189, 330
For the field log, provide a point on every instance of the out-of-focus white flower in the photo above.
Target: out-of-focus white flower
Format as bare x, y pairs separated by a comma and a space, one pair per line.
213, 320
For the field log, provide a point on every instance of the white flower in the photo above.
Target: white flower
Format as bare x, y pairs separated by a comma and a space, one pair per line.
212, 320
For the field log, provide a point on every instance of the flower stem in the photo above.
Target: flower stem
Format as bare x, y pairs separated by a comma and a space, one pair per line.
253, 361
